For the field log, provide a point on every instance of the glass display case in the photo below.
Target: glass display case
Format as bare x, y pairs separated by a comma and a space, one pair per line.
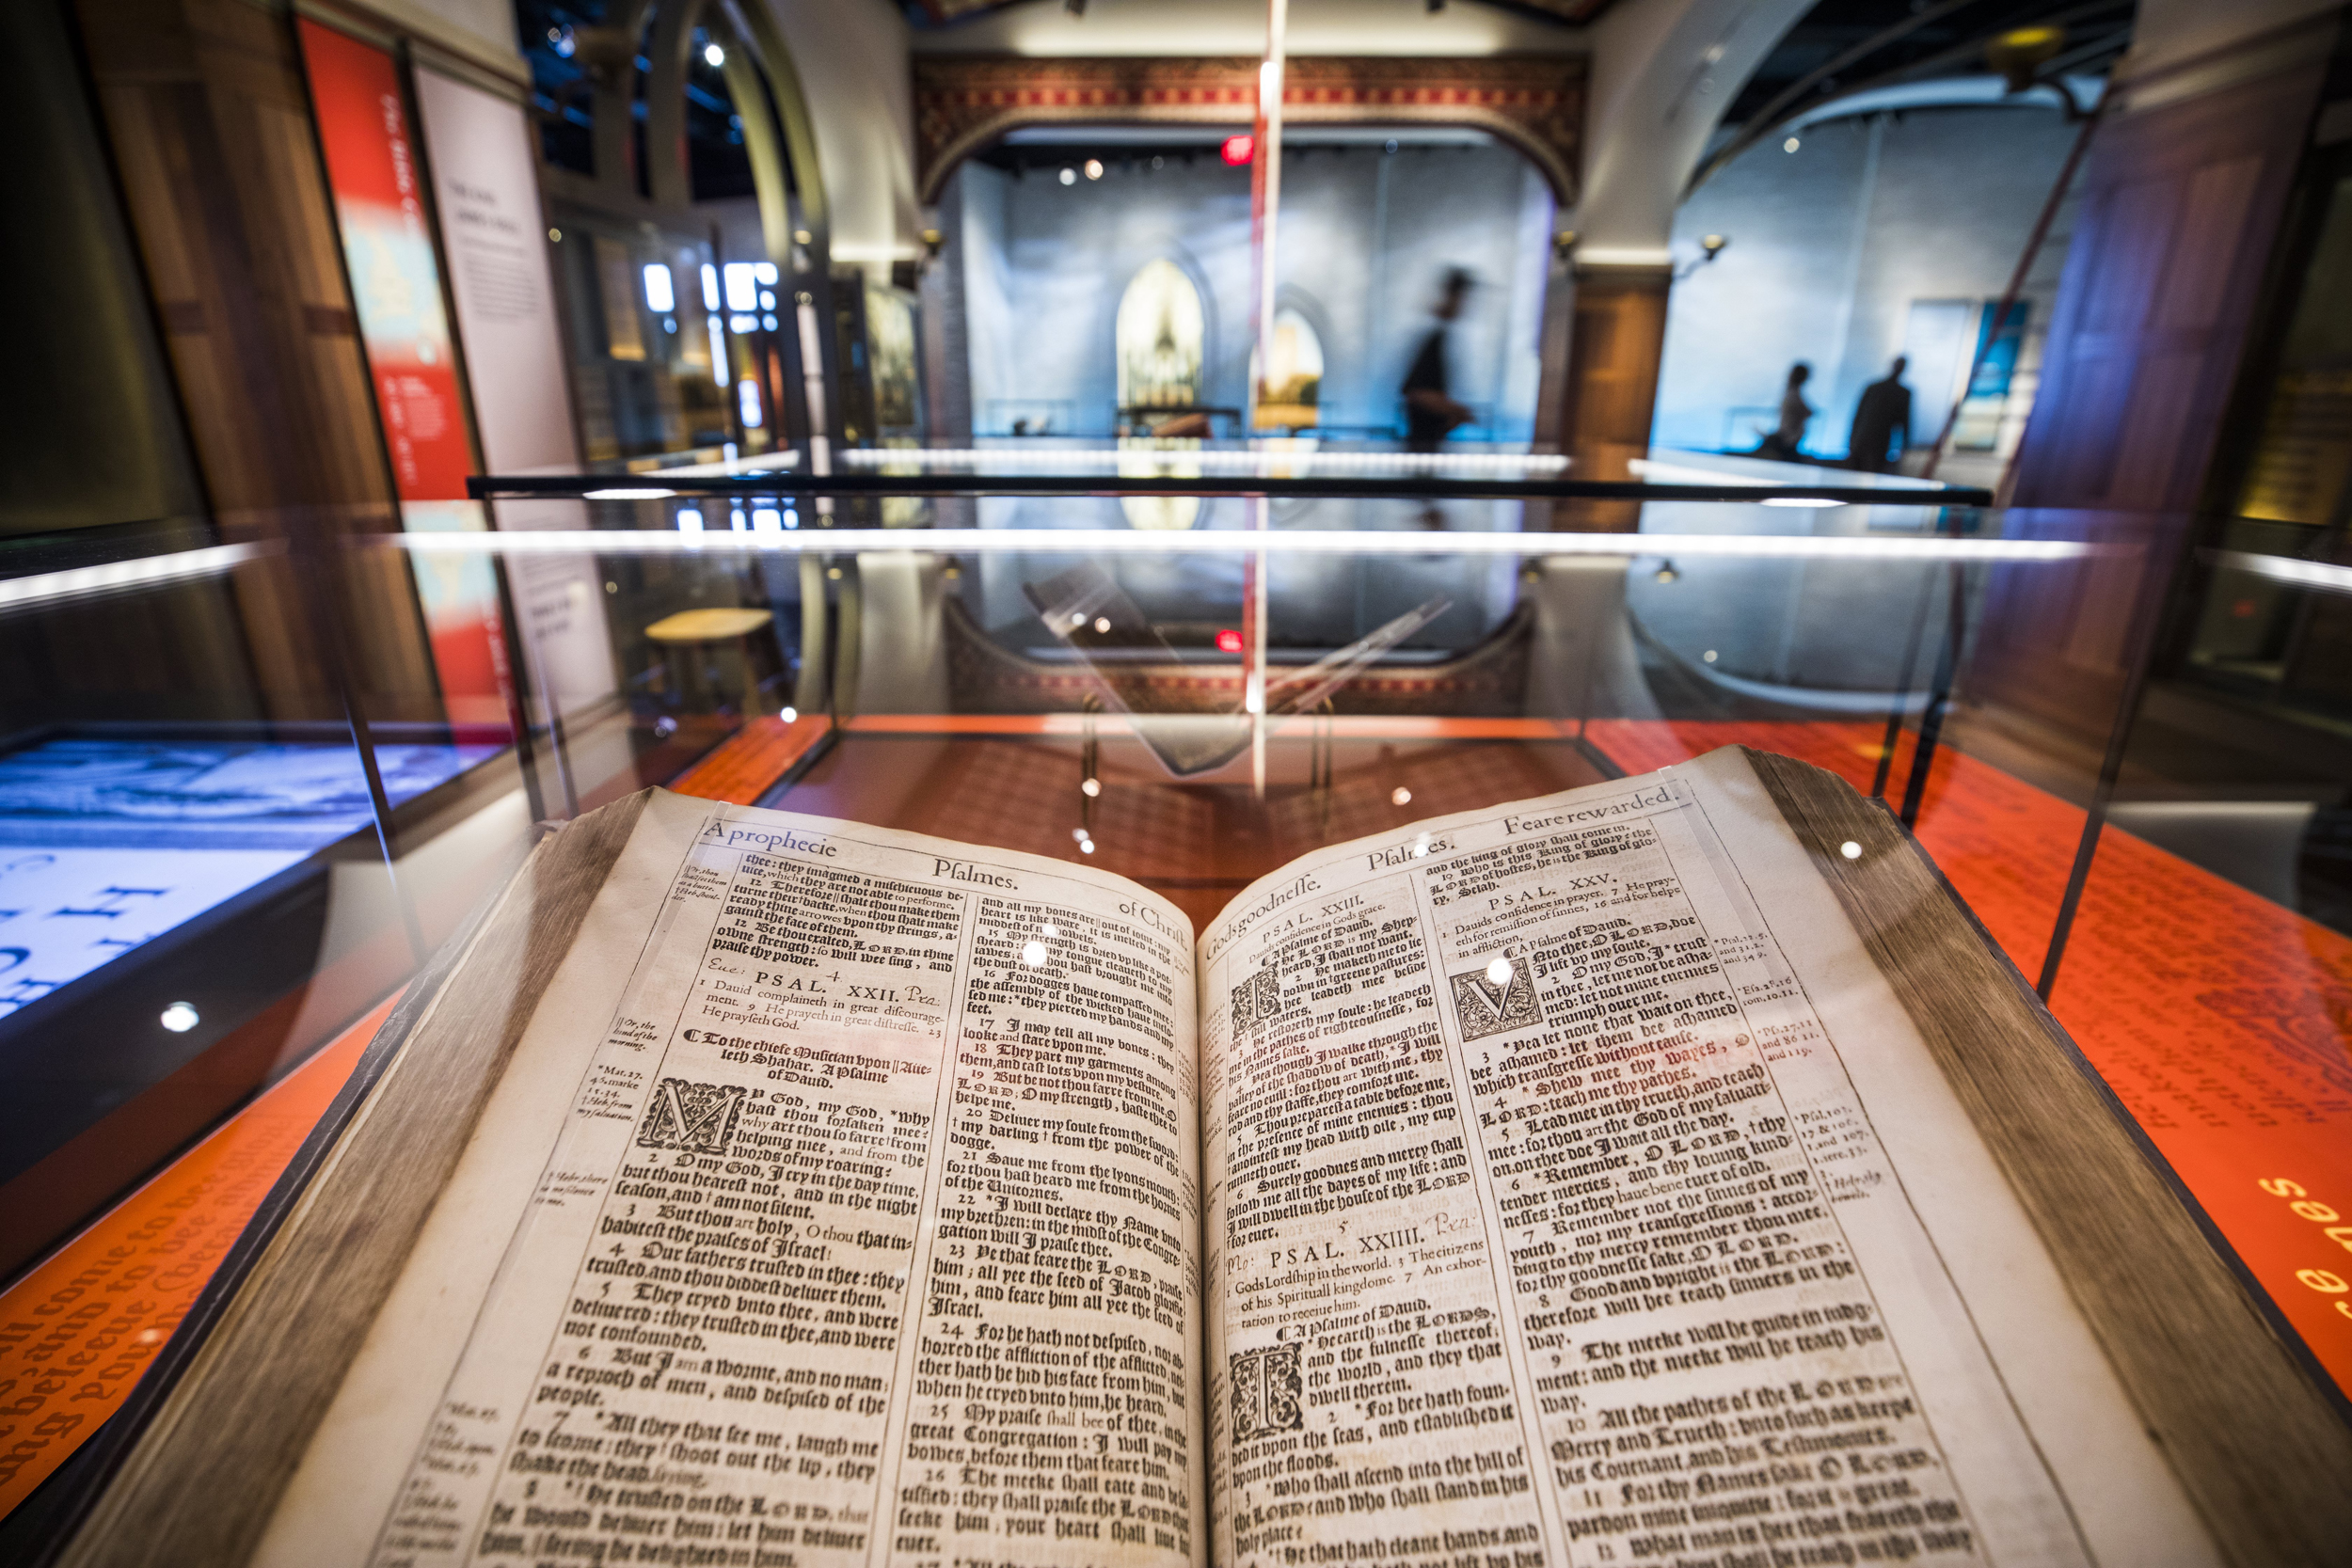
237, 815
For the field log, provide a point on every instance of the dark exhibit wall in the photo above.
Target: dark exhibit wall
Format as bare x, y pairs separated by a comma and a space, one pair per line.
88, 433
1364, 237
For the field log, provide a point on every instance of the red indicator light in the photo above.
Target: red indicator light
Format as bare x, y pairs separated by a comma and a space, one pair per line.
1239, 149
1229, 641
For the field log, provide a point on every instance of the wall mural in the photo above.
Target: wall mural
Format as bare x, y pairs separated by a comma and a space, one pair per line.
1160, 340
1290, 392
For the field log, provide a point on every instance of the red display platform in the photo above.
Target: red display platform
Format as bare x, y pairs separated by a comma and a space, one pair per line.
2217, 1018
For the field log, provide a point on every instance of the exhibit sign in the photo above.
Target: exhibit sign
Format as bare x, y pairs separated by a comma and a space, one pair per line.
485, 194
396, 293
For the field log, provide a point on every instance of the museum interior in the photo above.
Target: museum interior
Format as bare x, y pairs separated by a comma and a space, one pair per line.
491, 409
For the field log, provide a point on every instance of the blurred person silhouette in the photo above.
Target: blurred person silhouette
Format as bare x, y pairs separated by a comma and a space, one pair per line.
1795, 414
1430, 412
1885, 409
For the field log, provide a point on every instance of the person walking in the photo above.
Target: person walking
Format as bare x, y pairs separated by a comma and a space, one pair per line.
1795, 414
1885, 409
1430, 412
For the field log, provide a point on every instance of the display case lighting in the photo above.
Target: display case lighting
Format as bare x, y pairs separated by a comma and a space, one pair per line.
742, 285
76, 581
1092, 541
1276, 463
660, 296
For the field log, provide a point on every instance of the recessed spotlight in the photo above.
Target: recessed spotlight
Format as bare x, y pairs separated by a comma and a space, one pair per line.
713, 56
1094, 168
1091, 788
1400, 795
1102, 623
179, 1018
1790, 145
1069, 175
1087, 848
1708, 656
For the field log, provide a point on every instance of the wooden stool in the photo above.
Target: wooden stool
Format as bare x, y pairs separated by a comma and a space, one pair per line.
689, 673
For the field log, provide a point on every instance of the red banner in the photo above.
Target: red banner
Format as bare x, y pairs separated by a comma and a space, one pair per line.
396, 293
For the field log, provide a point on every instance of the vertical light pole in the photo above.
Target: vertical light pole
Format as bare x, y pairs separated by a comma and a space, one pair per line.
1265, 201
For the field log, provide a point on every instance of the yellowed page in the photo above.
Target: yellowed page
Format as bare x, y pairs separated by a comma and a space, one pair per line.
840, 1207
1578, 1193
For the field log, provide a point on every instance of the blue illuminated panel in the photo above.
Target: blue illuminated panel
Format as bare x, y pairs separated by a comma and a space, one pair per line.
107, 845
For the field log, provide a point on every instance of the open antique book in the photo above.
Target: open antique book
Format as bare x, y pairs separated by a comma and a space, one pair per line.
1663, 1172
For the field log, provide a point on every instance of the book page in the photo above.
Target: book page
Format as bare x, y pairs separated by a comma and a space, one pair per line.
840, 1207
1578, 1193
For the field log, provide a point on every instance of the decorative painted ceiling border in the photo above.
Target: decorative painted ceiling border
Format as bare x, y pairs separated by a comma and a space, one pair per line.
1534, 101
946, 13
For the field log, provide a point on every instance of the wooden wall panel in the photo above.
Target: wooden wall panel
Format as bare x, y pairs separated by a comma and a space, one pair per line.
208, 118
2180, 206
1617, 339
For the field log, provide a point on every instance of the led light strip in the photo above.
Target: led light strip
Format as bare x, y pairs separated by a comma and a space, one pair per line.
2279, 568
116, 575
1900, 490
1143, 461
766, 462
1092, 541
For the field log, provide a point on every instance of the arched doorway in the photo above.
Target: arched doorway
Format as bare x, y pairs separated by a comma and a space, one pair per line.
680, 173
